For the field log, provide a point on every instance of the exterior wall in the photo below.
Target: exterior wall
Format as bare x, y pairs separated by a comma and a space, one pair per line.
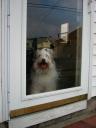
93, 52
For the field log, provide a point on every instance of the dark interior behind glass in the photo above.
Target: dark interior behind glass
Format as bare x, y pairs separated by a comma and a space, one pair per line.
60, 23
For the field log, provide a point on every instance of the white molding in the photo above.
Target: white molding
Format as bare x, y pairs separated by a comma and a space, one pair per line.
4, 60
93, 91
0, 67
85, 47
40, 117
23, 47
90, 52
53, 93
92, 81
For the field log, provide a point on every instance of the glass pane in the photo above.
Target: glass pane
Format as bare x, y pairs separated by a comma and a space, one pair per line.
53, 45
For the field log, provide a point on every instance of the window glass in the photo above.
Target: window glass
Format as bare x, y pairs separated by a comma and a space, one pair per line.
53, 45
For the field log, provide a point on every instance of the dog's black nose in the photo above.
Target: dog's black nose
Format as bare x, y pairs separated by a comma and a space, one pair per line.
43, 60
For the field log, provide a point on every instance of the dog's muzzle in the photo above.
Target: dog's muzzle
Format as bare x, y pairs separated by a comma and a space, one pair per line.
43, 64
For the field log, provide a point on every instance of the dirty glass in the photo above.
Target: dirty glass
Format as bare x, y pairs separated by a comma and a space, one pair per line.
53, 45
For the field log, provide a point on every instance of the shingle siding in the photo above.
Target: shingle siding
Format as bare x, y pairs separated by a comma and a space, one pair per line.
93, 25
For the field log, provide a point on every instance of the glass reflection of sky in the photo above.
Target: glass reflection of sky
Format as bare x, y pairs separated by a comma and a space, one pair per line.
44, 17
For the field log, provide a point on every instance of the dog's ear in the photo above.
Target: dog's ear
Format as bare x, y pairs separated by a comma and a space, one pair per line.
50, 51
37, 51
51, 46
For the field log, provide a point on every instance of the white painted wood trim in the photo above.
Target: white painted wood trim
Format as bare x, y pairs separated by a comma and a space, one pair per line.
40, 117
92, 65
5, 68
90, 52
93, 91
0, 69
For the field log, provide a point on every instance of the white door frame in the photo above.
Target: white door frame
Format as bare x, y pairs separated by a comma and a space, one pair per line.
0, 70
16, 99
4, 59
92, 79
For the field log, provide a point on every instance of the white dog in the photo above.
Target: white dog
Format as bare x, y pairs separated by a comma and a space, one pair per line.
45, 75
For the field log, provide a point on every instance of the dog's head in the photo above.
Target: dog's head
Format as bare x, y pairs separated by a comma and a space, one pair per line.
44, 59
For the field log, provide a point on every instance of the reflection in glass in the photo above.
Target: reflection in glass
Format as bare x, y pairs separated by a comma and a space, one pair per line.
53, 46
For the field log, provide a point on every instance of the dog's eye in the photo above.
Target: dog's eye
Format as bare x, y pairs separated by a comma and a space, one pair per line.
47, 50
47, 56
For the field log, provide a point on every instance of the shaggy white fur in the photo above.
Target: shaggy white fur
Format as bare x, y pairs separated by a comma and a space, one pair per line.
44, 77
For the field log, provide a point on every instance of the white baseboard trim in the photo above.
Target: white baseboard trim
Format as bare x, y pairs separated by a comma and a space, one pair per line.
93, 91
40, 117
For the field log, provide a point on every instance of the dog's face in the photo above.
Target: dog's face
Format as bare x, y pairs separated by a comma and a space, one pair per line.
44, 59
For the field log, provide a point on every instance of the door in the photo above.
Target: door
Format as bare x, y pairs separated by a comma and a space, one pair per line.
49, 58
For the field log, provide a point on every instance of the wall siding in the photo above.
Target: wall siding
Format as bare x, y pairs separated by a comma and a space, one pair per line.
93, 39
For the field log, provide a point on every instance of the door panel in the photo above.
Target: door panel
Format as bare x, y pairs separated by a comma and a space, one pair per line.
18, 97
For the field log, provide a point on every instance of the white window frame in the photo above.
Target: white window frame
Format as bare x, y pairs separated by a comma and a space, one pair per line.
18, 98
